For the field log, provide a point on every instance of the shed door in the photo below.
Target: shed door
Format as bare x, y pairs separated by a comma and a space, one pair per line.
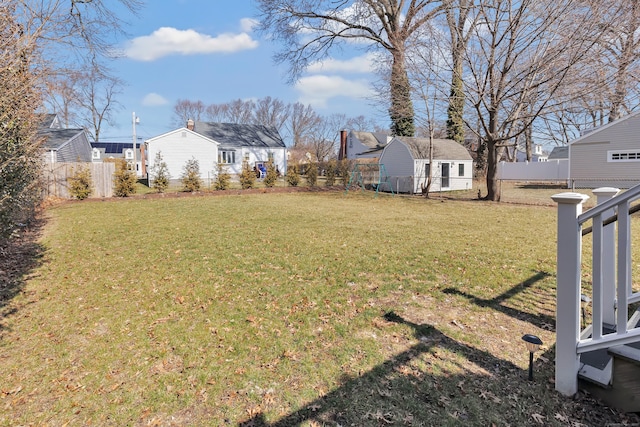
445, 175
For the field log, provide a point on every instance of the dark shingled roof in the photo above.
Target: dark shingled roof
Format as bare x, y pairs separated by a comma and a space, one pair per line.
231, 135
559, 153
56, 138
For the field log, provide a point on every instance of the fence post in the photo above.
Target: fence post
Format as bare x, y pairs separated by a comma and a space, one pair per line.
608, 257
568, 291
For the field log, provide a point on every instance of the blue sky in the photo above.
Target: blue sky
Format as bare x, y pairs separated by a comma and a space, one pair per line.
207, 50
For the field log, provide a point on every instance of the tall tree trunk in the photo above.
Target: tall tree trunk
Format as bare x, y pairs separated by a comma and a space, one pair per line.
455, 124
493, 190
401, 111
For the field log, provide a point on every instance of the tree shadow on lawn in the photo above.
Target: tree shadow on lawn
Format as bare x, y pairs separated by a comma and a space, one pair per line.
19, 256
538, 319
441, 381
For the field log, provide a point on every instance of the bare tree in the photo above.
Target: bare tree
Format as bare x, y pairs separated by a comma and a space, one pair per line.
217, 113
271, 112
520, 53
240, 111
301, 124
184, 110
310, 30
323, 139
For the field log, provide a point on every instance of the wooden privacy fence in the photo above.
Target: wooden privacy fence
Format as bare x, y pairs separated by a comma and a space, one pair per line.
56, 178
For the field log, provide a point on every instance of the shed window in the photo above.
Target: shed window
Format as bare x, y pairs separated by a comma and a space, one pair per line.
623, 156
95, 154
460, 169
128, 154
227, 157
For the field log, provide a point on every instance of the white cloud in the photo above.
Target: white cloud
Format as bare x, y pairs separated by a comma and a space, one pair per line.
154, 100
248, 24
319, 89
359, 64
171, 41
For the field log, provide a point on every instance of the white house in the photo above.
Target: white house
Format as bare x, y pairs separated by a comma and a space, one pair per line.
238, 143
361, 145
537, 155
62, 145
181, 145
406, 162
608, 156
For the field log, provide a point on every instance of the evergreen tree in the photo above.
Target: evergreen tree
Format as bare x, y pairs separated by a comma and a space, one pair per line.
160, 174
124, 179
312, 174
272, 175
81, 184
223, 179
293, 177
247, 177
191, 176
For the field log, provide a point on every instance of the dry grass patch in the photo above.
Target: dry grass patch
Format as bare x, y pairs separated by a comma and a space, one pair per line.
287, 309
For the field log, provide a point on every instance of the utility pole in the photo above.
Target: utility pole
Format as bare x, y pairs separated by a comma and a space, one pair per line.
135, 120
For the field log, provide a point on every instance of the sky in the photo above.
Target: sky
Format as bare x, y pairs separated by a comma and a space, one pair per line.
209, 51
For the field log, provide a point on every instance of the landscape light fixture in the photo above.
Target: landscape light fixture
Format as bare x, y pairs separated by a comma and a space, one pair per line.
584, 301
533, 344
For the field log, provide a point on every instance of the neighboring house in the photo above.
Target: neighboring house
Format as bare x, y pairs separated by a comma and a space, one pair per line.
63, 145
559, 153
101, 151
178, 147
365, 144
238, 143
607, 156
537, 155
406, 162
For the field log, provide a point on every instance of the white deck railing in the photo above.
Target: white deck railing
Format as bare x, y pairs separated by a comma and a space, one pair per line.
611, 278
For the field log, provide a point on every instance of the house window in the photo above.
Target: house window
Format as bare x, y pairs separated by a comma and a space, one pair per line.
227, 157
623, 156
128, 154
95, 155
460, 169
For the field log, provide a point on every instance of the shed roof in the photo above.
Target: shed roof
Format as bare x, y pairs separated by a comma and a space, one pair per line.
443, 149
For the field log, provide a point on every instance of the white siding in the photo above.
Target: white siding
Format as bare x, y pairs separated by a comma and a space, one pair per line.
589, 154
180, 146
399, 166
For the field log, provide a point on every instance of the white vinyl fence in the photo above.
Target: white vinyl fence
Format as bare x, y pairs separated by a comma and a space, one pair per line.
553, 170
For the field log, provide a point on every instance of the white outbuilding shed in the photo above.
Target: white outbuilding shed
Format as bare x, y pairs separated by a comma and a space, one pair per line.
406, 162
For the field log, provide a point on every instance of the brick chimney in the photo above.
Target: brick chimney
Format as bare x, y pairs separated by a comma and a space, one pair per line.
191, 124
342, 154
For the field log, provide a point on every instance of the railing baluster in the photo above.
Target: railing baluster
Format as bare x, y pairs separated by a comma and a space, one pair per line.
597, 280
624, 267
608, 257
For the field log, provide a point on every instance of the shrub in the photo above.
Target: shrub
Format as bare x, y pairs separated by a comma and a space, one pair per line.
344, 171
312, 174
191, 176
124, 179
247, 176
80, 184
160, 176
223, 180
272, 175
330, 173
293, 177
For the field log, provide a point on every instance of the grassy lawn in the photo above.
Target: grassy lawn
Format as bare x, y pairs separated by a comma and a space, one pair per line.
286, 309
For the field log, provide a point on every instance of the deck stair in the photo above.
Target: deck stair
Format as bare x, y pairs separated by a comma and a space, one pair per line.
613, 374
